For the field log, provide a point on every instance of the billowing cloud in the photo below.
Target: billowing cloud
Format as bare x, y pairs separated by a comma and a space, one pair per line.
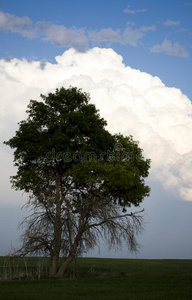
171, 49
132, 102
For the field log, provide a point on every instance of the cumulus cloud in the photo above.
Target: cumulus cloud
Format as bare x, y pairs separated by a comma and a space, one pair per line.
60, 35
133, 35
16, 24
105, 35
130, 35
77, 38
132, 102
171, 49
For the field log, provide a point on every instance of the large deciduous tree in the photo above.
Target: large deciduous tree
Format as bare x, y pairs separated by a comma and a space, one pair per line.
80, 179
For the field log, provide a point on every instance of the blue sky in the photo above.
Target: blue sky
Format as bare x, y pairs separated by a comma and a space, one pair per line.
135, 60
152, 36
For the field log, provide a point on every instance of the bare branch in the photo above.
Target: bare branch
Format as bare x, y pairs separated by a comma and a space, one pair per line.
116, 217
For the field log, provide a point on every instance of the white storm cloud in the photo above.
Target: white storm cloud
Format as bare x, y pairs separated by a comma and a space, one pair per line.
132, 102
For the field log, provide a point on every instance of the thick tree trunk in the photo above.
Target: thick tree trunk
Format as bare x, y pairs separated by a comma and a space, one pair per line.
72, 254
53, 266
64, 266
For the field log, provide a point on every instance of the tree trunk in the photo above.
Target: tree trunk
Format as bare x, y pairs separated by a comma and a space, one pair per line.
64, 266
72, 254
57, 231
53, 266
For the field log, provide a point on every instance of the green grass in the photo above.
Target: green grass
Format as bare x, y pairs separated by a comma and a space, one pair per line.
108, 279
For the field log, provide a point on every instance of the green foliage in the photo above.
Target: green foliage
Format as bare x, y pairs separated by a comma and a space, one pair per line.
121, 174
64, 123
65, 133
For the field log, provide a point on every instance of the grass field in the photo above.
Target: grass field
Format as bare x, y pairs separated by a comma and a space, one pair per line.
102, 279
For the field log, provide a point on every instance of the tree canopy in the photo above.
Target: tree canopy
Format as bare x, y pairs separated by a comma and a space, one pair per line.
80, 178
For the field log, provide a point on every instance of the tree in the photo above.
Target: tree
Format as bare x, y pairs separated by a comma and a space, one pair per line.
80, 179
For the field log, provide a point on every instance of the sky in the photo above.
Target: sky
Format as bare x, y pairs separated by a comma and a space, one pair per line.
135, 60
